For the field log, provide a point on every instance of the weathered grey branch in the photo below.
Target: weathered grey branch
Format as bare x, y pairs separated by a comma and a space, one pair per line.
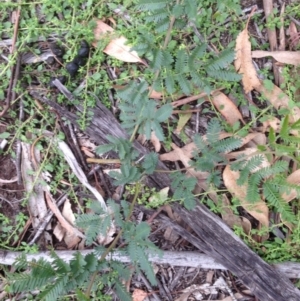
173, 258
215, 238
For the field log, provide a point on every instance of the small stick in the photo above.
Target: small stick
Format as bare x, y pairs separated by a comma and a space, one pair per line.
14, 69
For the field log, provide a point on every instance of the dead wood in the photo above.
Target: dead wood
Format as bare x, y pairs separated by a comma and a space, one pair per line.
212, 237
193, 259
216, 239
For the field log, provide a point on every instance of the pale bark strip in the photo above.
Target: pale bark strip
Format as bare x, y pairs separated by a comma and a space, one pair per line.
173, 258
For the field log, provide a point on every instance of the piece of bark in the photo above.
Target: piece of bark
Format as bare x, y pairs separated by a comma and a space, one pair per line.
213, 237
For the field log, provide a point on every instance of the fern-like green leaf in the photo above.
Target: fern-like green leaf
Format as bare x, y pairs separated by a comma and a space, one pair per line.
121, 292
272, 196
142, 231
195, 56
181, 61
162, 25
145, 265
42, 272
225, 75
157, 61
157, 16
55, 290
129, 174
170, 83
222, 61
152, 5
189, 202
184, 84
227, 145
123, 271
150, 162
213, 131
253, 188
91, 262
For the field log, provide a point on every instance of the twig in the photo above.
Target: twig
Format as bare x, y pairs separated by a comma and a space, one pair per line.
103, 181
64, 223
147, 284
163, 289
46, 219
7, 201
200, 36
19, 144
14, 69
186, 100
12, 180
76, 146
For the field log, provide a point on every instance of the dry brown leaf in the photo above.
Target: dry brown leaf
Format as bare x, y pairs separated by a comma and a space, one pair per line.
154, 94
139, 295
293, 178
179, 154
285, 57
273, 123
231, 219
70, 238
226, 107
171, 235
279, 100
259, 210
183, 120
155, 141
243, 62
294, 36
282, 44
187, 150
87, 152
59, 232
117, 47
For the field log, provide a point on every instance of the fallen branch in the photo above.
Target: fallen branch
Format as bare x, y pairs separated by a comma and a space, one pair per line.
173, 258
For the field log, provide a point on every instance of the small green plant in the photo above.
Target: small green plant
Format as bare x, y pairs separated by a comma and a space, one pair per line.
10, 230
60, 277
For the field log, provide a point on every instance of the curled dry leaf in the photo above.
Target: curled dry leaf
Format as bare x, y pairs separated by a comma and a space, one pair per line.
259, 210
293, 178
243, 62
243, 65
139, 295
285, 57
187, 150
273, 123
179, 154
183, 120
117, 47
279, 100
231, 219
155, 141
154, 94
294, 36
226, 107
